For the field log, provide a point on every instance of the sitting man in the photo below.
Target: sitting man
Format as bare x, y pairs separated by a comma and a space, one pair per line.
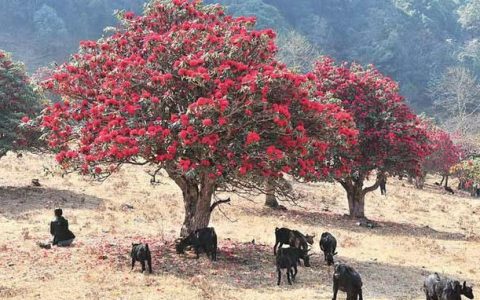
62, 236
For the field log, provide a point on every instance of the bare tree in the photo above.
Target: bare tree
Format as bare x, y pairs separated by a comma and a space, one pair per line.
296, 51
457, 100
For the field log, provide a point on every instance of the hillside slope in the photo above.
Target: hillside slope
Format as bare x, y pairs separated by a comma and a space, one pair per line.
420, 232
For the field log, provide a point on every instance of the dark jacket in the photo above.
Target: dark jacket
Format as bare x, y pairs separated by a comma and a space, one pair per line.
59, 230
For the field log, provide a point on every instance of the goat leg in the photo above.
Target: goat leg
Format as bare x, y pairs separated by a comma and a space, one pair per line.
335, 290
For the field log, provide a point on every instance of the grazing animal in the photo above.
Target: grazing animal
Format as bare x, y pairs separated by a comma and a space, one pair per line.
294, 238
141, 252
328, 244
204, 238
287, 258
438, 288
347, 280
449, 189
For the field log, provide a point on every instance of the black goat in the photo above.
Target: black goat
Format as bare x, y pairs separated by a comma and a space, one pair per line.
449, 189
328, 244
347, 280
437, 288
141, 253
204, 238
287, 258
294, 238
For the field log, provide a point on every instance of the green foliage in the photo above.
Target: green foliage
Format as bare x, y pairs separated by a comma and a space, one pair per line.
268, 16
48, 25
470, 15
19, 101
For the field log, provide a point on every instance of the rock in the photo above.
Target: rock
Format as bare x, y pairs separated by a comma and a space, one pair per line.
368, 224
44, 245
36, 182
126, 206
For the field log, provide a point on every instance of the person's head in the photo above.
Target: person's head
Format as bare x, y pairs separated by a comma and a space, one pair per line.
58, 212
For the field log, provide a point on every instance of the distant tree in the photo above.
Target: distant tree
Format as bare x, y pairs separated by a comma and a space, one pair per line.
469, 15
468, 172
267, 16
296, 51
390, 140
457, 95
188, 90
48, 25
19, 101
445, 154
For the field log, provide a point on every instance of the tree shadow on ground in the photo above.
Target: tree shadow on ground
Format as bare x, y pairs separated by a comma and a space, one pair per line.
330, 219
15, 201
251, 266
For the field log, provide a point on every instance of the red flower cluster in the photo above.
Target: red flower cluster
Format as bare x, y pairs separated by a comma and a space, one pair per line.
389, 136
183, 86
444, 153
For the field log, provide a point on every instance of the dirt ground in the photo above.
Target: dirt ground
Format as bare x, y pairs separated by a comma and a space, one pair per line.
420, 232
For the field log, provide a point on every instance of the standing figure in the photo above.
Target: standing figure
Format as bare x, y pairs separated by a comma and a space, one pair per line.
383, 185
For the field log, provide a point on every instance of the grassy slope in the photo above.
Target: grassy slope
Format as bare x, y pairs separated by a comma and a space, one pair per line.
421, 232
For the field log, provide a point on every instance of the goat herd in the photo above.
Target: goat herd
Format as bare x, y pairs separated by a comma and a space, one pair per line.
345, 278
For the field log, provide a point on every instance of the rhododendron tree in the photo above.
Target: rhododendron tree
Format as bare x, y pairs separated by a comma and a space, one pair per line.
444, 153
194, 92
19, 101
390, 140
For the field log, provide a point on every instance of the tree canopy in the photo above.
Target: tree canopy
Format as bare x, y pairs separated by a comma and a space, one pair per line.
19, 101
195, 92
390, 139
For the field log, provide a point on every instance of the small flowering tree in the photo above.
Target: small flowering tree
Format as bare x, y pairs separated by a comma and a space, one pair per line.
19, 101
390, 140
468, 172
444, 153
194, 92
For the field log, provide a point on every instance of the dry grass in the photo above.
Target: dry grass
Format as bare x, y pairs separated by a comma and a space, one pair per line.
420, 232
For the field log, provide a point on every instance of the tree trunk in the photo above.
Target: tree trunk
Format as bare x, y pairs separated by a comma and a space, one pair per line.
197, 208
410, 179
420, 181
270, 199
197, 198
356, 193
443, 178
356, 200
356, 205
446, 180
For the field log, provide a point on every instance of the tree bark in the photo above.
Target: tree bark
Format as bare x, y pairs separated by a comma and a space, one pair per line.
446, 180
420, 181
270, 199
197, 198
356, 198
356, 204
356, 194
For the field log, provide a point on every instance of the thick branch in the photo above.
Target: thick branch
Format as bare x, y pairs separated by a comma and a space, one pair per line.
371, 188
218, 202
